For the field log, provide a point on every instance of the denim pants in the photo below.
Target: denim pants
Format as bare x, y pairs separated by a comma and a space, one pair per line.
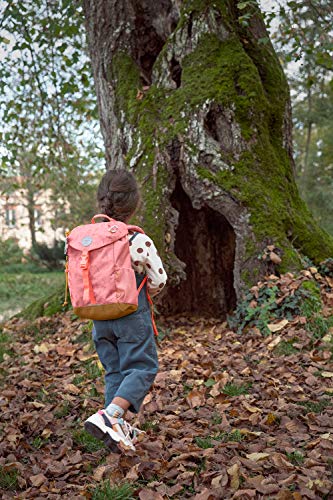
126, 348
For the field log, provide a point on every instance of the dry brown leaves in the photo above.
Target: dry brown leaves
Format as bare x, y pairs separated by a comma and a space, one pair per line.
272, 440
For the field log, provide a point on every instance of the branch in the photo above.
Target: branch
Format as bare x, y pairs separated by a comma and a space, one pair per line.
4, 15
32, 53
319, 14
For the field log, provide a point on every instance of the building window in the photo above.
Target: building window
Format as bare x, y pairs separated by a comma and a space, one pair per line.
38, 217
10, 217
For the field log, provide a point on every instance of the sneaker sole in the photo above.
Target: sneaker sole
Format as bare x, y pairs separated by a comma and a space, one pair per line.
96, 427
97, 433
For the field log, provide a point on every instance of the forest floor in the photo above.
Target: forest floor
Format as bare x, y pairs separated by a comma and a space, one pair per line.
243, 414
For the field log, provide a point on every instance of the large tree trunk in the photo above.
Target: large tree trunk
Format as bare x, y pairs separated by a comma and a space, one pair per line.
198, 107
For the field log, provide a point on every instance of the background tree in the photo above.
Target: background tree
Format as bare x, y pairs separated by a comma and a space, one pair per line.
304, 39
193, 99
50, 133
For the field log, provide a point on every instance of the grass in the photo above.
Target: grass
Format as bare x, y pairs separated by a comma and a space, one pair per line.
319, 326
45, 396
187, 389
38, 442
8, 479
107, 492
216, 418
315, 407
296, 457
285, 348
63, 410
150, 425
87, 442
78, 379
4, 340
225, 437
85, 337
235, 390
18, 290
92, 370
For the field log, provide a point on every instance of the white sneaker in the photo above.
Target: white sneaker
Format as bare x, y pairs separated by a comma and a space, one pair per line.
115, 432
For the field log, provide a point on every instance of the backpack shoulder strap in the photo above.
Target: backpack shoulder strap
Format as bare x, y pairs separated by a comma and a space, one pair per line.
136, 229
133, 236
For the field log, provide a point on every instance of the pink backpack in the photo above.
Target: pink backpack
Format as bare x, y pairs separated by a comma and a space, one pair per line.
101, 280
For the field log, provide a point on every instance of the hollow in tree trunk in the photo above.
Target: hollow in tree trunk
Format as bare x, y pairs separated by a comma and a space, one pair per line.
198, 107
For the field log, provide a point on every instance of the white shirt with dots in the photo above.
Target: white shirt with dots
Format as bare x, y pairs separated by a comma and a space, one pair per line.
146, 260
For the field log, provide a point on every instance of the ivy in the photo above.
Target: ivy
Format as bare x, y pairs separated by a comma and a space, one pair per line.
269, 303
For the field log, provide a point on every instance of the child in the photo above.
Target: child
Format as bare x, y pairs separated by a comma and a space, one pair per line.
126, 346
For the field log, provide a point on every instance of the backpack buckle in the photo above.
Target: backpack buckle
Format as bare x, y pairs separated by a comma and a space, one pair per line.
84, 261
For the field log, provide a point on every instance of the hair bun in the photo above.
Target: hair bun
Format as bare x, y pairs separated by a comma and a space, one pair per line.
118, 194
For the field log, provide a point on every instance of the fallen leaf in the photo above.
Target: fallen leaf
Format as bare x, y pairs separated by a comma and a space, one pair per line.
216, 481
271, 419
205, 495
196, 398
250, 408
275, 258
276, 327
245, 494
72, 389
43, 348
281, 461
46, 433
38, 480
257, 456
133, 473
274, 342
37, 404
147, 494
99, 472
233, 472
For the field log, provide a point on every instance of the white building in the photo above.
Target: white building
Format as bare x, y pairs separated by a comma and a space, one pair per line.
14, 219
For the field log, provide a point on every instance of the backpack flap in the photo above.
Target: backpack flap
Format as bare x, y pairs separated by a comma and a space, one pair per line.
92, 236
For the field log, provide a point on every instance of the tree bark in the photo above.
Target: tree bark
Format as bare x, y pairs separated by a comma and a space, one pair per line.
198, 107
306, 176
31, 213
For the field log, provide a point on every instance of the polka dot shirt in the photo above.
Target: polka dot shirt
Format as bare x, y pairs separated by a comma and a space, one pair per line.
146, 260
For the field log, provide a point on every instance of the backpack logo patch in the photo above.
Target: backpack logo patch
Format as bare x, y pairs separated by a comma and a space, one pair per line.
86, 241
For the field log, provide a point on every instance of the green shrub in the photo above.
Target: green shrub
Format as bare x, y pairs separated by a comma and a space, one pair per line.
52, 257
10, 252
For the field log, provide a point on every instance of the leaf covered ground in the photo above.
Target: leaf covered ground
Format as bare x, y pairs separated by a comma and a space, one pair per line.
234, 413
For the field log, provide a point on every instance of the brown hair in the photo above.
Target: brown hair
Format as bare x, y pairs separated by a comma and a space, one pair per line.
118, 194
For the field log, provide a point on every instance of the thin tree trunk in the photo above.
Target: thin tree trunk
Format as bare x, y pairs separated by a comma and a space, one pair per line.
306, 181
198, 107
31, 214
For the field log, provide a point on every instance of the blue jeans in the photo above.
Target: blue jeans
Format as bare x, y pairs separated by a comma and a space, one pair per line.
126, 348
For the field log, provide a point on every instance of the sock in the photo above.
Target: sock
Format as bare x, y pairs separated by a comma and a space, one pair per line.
114, 411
